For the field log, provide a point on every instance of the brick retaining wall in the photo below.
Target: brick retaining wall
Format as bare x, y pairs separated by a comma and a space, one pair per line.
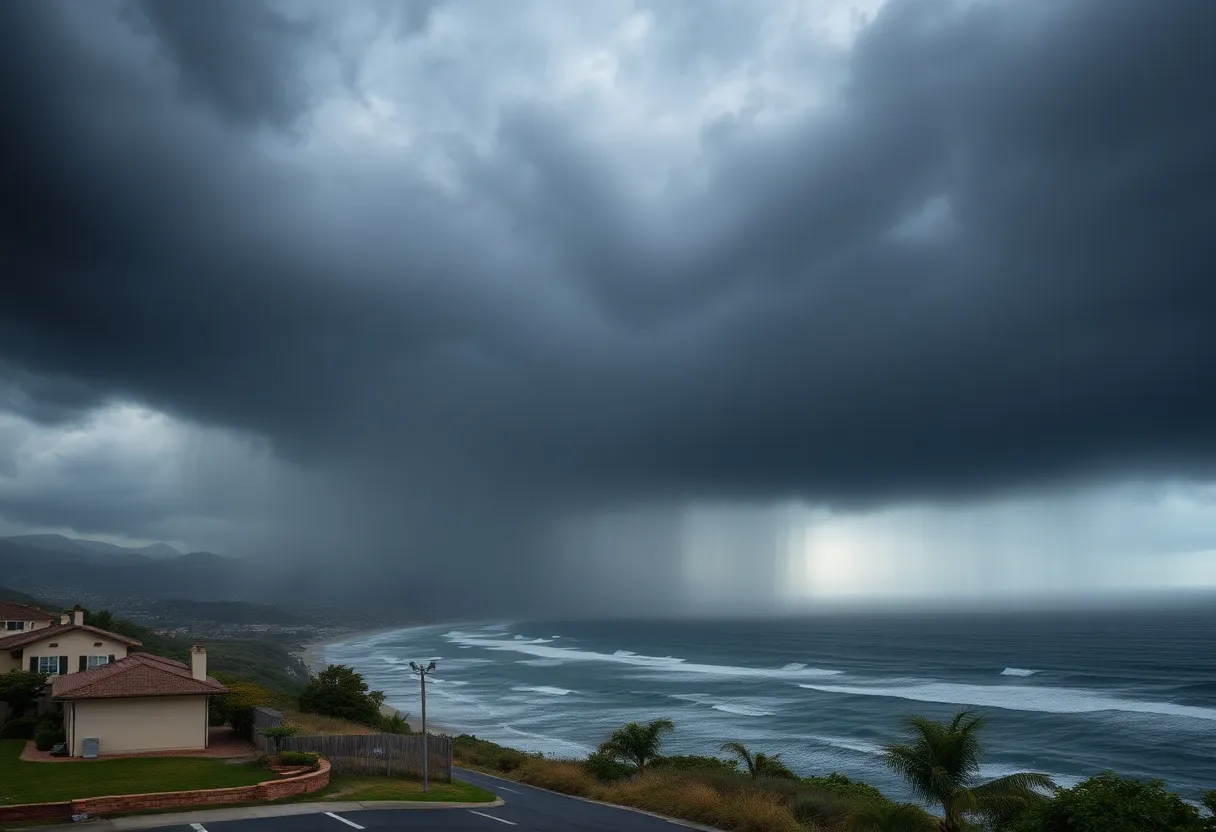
201, 798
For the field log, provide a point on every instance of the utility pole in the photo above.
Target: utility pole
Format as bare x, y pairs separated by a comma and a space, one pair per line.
422, 671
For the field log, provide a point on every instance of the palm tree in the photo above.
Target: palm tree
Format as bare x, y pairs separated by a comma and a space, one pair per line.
637, 743
759, 764
941, 763
891, 817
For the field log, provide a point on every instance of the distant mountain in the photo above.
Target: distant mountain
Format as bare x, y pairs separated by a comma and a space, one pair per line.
62, 568
159, 550
61, 543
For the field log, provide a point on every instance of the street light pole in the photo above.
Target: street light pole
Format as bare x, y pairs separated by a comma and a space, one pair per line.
422, 671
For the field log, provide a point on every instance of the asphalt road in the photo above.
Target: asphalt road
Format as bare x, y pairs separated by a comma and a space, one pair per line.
525, 809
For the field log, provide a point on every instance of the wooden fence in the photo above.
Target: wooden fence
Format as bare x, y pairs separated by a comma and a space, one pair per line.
383, 754
264, 718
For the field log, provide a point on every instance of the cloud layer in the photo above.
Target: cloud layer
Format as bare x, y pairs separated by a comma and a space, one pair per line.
522, 265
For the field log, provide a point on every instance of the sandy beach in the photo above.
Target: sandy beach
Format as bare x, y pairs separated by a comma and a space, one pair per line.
313, 656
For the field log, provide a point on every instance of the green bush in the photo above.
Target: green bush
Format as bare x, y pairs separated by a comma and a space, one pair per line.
44, 739
477, 753
694, 762
606, 769
1110, 803
339, 691
298, 758
21, 728
837, 783
395, 724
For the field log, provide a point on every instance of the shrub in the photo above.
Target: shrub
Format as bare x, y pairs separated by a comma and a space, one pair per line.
739, 806
298, 758
21, 728
236, 706
395, 724
837, 783
45, 738
606, 768
277, 733
19, 689
825, 808
565, 776
477, 753
693, 762
1110, 803
341, 692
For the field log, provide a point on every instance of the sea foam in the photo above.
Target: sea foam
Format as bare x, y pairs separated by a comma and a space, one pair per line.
541, 649
1018, 671
547, 690
729, 706
1049, 700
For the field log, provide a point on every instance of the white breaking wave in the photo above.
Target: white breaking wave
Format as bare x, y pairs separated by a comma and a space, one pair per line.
1018, 671
541, 649
547, 690
794, 666
1042, 699
726, 705
860, 746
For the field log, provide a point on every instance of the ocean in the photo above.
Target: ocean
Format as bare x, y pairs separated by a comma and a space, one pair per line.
1066, 694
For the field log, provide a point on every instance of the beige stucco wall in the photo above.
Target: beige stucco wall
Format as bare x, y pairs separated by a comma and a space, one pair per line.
158, 723
74, 644
7, 662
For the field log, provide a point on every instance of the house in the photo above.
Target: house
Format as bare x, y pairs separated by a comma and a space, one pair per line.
17, 618
60, 649
138, 703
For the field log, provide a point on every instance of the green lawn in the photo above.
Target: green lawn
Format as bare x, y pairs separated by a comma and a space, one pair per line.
363, 787
25, 782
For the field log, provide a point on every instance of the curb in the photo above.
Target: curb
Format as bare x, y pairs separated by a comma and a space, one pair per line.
678, 821
202, 816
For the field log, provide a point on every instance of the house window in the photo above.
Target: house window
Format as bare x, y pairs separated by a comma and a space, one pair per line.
98, 661
48, 664
14, 625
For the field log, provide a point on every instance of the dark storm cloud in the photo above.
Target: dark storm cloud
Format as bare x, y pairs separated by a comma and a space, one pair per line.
243, 59
541, 339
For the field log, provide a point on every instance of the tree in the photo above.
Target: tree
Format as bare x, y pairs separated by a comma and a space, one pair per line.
891, 817
20, 689
103, 620
636, 743
1110, 803
941, 763
759, 764
235, 707
277, 733
339, 691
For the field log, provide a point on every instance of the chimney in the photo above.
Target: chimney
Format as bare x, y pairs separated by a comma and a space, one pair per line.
77, 617
198, 662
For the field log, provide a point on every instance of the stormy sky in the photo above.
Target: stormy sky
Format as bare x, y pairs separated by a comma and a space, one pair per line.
543, 306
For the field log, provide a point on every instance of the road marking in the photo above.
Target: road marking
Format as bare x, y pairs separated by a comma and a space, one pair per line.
198, 827
491, 817
512, 791
344, 820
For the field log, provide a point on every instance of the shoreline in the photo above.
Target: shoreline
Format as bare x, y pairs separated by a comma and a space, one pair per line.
312, 654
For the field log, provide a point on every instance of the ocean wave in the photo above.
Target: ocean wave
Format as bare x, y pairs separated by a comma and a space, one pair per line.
1018, 671
860, 746
541, 649
794, 666
718, 704
1018, 698
547, 690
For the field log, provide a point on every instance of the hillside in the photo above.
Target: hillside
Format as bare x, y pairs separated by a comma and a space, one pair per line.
269, 661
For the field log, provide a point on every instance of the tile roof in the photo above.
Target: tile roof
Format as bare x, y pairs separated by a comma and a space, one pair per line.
17, 640
140, 674
10, 611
